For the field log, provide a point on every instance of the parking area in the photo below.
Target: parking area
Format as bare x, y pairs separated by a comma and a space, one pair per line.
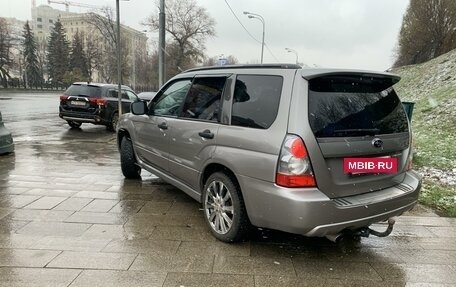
69, 218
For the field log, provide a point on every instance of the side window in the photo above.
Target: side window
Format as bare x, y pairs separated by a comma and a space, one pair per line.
112, 94
169, 102
131, 96
203, 100
125, 96
256, 100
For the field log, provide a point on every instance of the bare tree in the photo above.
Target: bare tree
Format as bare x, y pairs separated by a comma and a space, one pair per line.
41, 52
189, 25
428, 30
93, 54
5, 51
105, 24
107, 28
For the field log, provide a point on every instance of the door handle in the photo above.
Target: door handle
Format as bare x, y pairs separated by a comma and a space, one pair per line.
206, 134
163, 126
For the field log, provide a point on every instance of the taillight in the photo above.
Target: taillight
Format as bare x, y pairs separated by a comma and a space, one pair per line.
294, 169
98, 102
63, 97
102, 102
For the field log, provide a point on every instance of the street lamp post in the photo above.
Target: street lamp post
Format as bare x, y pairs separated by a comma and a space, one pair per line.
119, 66
294, 52
259, 17
161, 44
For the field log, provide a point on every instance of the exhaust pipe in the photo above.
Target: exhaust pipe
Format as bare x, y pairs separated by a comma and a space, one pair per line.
334, 237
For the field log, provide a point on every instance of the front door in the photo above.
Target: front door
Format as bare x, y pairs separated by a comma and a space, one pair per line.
153, 129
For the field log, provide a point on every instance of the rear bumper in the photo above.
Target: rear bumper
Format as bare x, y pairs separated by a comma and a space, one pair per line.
82, 117
310, 212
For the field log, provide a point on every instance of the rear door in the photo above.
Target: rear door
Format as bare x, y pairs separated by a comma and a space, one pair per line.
194, 133
355, 116
127, 98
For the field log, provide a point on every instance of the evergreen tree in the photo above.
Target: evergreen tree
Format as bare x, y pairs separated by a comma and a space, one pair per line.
33, 76
5, 52
58, 53
78, 58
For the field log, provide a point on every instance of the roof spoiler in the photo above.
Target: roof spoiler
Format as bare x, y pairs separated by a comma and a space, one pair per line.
351, 81
309, 74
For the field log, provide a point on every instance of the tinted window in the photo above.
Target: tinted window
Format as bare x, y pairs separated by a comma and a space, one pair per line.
203, 99
84, 91
112, 94
354, 106
256, 100
169, 102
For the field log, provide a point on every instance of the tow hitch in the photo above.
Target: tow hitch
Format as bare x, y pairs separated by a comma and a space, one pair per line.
365, 232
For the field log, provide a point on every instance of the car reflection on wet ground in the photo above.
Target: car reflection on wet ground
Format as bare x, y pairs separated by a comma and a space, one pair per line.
68, 217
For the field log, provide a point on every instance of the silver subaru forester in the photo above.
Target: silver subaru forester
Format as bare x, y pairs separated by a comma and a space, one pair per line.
317, 152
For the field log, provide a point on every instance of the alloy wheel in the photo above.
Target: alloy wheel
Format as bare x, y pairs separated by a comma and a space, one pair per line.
219, 207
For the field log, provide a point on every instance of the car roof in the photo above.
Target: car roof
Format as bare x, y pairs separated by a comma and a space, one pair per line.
100, 85
307, 73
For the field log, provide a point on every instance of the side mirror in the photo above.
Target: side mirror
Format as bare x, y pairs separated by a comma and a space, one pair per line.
139, 108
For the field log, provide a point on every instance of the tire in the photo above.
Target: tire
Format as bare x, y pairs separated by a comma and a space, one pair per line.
224, 209
112, 126
130, 168
74, 125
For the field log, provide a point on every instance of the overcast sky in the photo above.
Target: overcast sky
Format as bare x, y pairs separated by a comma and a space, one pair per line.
330, 33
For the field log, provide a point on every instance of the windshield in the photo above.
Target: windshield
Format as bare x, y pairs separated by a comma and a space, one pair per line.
354, 106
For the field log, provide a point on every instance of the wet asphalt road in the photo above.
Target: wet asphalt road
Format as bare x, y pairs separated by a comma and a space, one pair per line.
69, 218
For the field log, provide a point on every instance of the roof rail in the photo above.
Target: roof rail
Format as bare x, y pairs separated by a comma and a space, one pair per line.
247, 66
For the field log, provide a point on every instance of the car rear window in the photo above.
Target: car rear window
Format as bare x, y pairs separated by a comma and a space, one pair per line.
341, 106
256, 100
84, 90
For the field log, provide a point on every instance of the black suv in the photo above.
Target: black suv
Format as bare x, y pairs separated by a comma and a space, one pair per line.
94, 103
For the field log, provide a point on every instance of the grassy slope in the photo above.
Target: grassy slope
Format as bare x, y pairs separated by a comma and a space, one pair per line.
432, 86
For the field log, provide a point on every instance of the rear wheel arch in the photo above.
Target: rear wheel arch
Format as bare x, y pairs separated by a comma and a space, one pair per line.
213, 168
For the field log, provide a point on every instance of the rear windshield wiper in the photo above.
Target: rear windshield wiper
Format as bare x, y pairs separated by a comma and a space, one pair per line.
356, 132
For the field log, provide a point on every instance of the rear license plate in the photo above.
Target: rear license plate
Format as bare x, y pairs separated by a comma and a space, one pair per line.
77, 103
360, 165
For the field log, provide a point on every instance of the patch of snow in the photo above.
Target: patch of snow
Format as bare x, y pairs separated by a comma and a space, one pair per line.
447, 177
